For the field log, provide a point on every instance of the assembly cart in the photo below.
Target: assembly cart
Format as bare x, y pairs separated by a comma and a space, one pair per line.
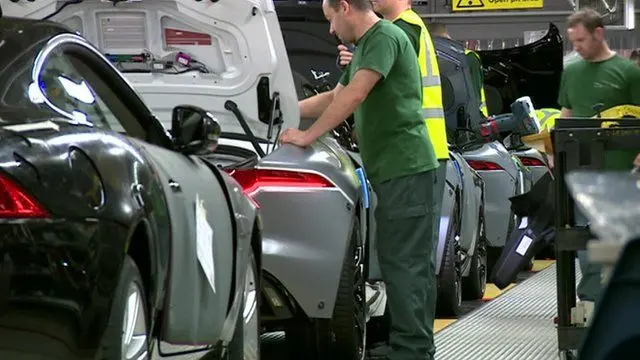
580, 144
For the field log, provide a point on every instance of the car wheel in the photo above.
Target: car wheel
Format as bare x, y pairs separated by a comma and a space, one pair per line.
344, 336
127, 335
245, 344
449, 298
475, 284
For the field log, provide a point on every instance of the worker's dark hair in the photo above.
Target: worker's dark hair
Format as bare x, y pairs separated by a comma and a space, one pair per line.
357, 4
436, 28
635, 54
586, 17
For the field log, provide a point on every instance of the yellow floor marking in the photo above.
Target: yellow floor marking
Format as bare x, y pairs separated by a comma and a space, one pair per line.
492, 291
539, 265
441, 324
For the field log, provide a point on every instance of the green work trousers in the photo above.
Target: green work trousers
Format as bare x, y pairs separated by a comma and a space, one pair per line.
406, 233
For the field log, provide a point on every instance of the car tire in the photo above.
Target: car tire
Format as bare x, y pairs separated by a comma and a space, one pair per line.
475, 284
127, 337
449, 281
245, 344
344, 336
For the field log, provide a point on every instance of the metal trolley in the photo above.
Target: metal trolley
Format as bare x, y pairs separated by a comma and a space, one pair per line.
580, 144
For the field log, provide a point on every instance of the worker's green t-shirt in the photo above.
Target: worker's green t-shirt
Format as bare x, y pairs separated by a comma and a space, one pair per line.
392, 137
612, 82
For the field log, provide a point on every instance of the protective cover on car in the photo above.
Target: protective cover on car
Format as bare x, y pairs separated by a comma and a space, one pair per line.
610, 201
461, 110
532, 70
536, 211
195, 310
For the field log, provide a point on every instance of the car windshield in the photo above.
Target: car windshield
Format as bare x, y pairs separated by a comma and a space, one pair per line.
50, 85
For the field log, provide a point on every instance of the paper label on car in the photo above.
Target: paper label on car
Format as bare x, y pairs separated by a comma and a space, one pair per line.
524, 245
204, 243
524, 223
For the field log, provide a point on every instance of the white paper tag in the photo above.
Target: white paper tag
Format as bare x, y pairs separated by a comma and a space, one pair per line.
524, 223
204, 243
524, 245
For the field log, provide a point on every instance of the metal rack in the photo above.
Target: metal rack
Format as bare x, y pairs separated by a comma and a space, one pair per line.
579, 144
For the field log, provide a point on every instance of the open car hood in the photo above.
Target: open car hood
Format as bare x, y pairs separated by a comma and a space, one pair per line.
239, 42
532, 70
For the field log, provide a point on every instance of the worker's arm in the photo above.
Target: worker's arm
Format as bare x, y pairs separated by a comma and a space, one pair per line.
563, 97
565, 113
634, 84
313, 107
351, 96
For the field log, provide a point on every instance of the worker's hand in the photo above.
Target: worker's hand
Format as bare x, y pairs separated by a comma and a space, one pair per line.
295, 137
636, 162
344, 55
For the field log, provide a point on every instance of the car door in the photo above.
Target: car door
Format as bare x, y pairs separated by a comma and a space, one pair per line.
191, 224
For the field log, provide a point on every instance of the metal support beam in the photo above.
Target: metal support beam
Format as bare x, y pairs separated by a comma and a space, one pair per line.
508, 14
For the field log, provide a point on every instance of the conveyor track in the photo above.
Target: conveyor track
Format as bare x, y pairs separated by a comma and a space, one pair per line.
516, 325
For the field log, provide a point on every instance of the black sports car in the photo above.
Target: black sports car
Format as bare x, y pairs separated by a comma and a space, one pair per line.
114, 232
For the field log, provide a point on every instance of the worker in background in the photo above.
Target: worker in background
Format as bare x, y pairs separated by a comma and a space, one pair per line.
635, 56
475, 65
600, 76
401, 14
382, 84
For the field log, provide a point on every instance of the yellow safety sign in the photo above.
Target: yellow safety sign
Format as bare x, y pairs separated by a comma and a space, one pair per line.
478, 5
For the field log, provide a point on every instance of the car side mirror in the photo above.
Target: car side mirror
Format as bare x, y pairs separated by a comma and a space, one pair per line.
194, 130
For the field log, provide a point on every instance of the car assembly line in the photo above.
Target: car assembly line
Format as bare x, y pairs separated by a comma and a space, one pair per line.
147, 209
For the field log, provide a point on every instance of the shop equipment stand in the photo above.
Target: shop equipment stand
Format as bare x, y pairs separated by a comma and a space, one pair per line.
580, 144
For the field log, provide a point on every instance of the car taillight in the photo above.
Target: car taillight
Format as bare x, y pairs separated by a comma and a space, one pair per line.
16, 203
253, 180
529, 161
479, 165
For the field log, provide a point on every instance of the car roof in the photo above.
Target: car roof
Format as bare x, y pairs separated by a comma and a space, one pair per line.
18, 35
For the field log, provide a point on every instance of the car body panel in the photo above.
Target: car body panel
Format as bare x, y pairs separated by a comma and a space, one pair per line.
182, 322
471, 194
536, 171
308, 229
105, 191
292, 255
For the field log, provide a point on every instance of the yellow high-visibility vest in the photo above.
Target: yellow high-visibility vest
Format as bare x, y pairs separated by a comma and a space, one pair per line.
547, 117
431, 90
483, 100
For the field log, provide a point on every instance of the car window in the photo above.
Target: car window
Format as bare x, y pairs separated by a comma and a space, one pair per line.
71, 85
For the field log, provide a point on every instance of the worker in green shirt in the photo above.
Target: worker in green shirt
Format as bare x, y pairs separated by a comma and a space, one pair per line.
400, 13
600, 77
382, 86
